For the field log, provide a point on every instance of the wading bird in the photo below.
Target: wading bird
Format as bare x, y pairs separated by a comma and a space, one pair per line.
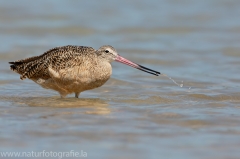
72, 69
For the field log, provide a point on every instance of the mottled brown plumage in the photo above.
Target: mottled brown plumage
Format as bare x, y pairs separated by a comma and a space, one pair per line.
72, 69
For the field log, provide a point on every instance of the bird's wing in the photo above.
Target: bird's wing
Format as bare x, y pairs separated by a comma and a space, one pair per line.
57, 58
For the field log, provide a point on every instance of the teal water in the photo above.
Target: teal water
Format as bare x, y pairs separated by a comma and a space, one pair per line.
134, 115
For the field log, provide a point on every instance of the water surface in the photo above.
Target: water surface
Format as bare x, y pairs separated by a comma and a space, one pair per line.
134, 115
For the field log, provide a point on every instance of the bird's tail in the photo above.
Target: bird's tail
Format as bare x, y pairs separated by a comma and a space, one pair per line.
14, 66
18, 67
23, 67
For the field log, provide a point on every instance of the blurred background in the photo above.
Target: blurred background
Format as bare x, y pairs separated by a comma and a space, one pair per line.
134, 115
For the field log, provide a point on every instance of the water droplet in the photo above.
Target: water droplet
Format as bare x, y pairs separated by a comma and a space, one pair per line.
180, 85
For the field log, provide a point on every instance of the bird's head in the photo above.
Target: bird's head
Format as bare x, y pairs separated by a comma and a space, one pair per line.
107, 52
110, 54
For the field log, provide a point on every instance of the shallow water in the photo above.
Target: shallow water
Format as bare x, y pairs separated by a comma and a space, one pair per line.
134, 115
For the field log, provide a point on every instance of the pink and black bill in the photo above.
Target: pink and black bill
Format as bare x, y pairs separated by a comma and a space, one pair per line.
137, 66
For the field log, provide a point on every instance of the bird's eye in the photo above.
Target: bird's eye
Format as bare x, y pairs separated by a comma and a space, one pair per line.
106, 51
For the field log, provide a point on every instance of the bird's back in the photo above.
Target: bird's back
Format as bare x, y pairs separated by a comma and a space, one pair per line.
57, 58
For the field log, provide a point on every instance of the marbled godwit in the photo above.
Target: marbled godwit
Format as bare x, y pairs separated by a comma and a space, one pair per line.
72, 69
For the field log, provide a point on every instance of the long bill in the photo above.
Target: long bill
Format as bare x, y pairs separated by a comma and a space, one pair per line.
137, 66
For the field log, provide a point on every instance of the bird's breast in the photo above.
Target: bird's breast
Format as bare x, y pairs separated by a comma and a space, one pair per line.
91, 75
83, 77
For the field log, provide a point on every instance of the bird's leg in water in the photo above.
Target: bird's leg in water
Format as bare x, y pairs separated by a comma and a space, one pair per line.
63, 95
77, 94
